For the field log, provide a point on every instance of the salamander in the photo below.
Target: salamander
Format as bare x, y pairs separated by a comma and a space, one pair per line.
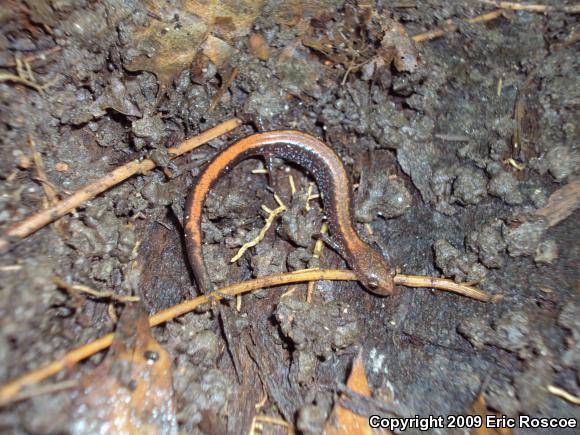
371, 269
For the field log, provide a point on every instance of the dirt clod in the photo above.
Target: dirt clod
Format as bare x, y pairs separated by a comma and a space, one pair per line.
523, 239
453, 263
315, 331
470, 186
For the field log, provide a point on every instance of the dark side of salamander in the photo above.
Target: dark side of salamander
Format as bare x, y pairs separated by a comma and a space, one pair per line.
371, 269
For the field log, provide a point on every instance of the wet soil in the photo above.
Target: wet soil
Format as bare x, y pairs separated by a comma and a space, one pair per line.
442, 184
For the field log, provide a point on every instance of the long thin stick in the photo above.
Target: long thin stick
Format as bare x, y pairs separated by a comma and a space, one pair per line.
447, 285
9, 391
452, 26
529, 7
17, 79
564, 394
33, 223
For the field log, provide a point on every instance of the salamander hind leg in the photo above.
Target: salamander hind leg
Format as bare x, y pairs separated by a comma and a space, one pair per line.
269, 162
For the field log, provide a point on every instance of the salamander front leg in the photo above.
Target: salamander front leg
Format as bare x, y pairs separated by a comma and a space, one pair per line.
257, 121
330, 241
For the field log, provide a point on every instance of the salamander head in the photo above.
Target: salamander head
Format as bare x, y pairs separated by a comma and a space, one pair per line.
374, 273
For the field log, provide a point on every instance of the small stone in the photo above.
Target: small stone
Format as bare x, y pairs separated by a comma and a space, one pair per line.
148, 127
546, 252
24, 162
61, 167
538, 197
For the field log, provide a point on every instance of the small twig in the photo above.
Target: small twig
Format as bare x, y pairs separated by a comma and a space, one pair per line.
112, 313
222, 90
21, 71
310, 291
7, 77
561, 204
352, 67
33, 223
269, 420
452, 137
310, 196
564, 394
50, 191
445, 284
369, 229
319, 245
47, 186
290, 292
10, 390
10, 268
263, 400
515, 164
32, 57
259, 171
29, 72
316, 253
436, 33
25, 76
78, 288
488, 16
532, 7
519, 110
452, 27
292, 185
45, 389
272, 214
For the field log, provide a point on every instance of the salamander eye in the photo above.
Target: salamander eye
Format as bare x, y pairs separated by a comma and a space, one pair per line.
373, 283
